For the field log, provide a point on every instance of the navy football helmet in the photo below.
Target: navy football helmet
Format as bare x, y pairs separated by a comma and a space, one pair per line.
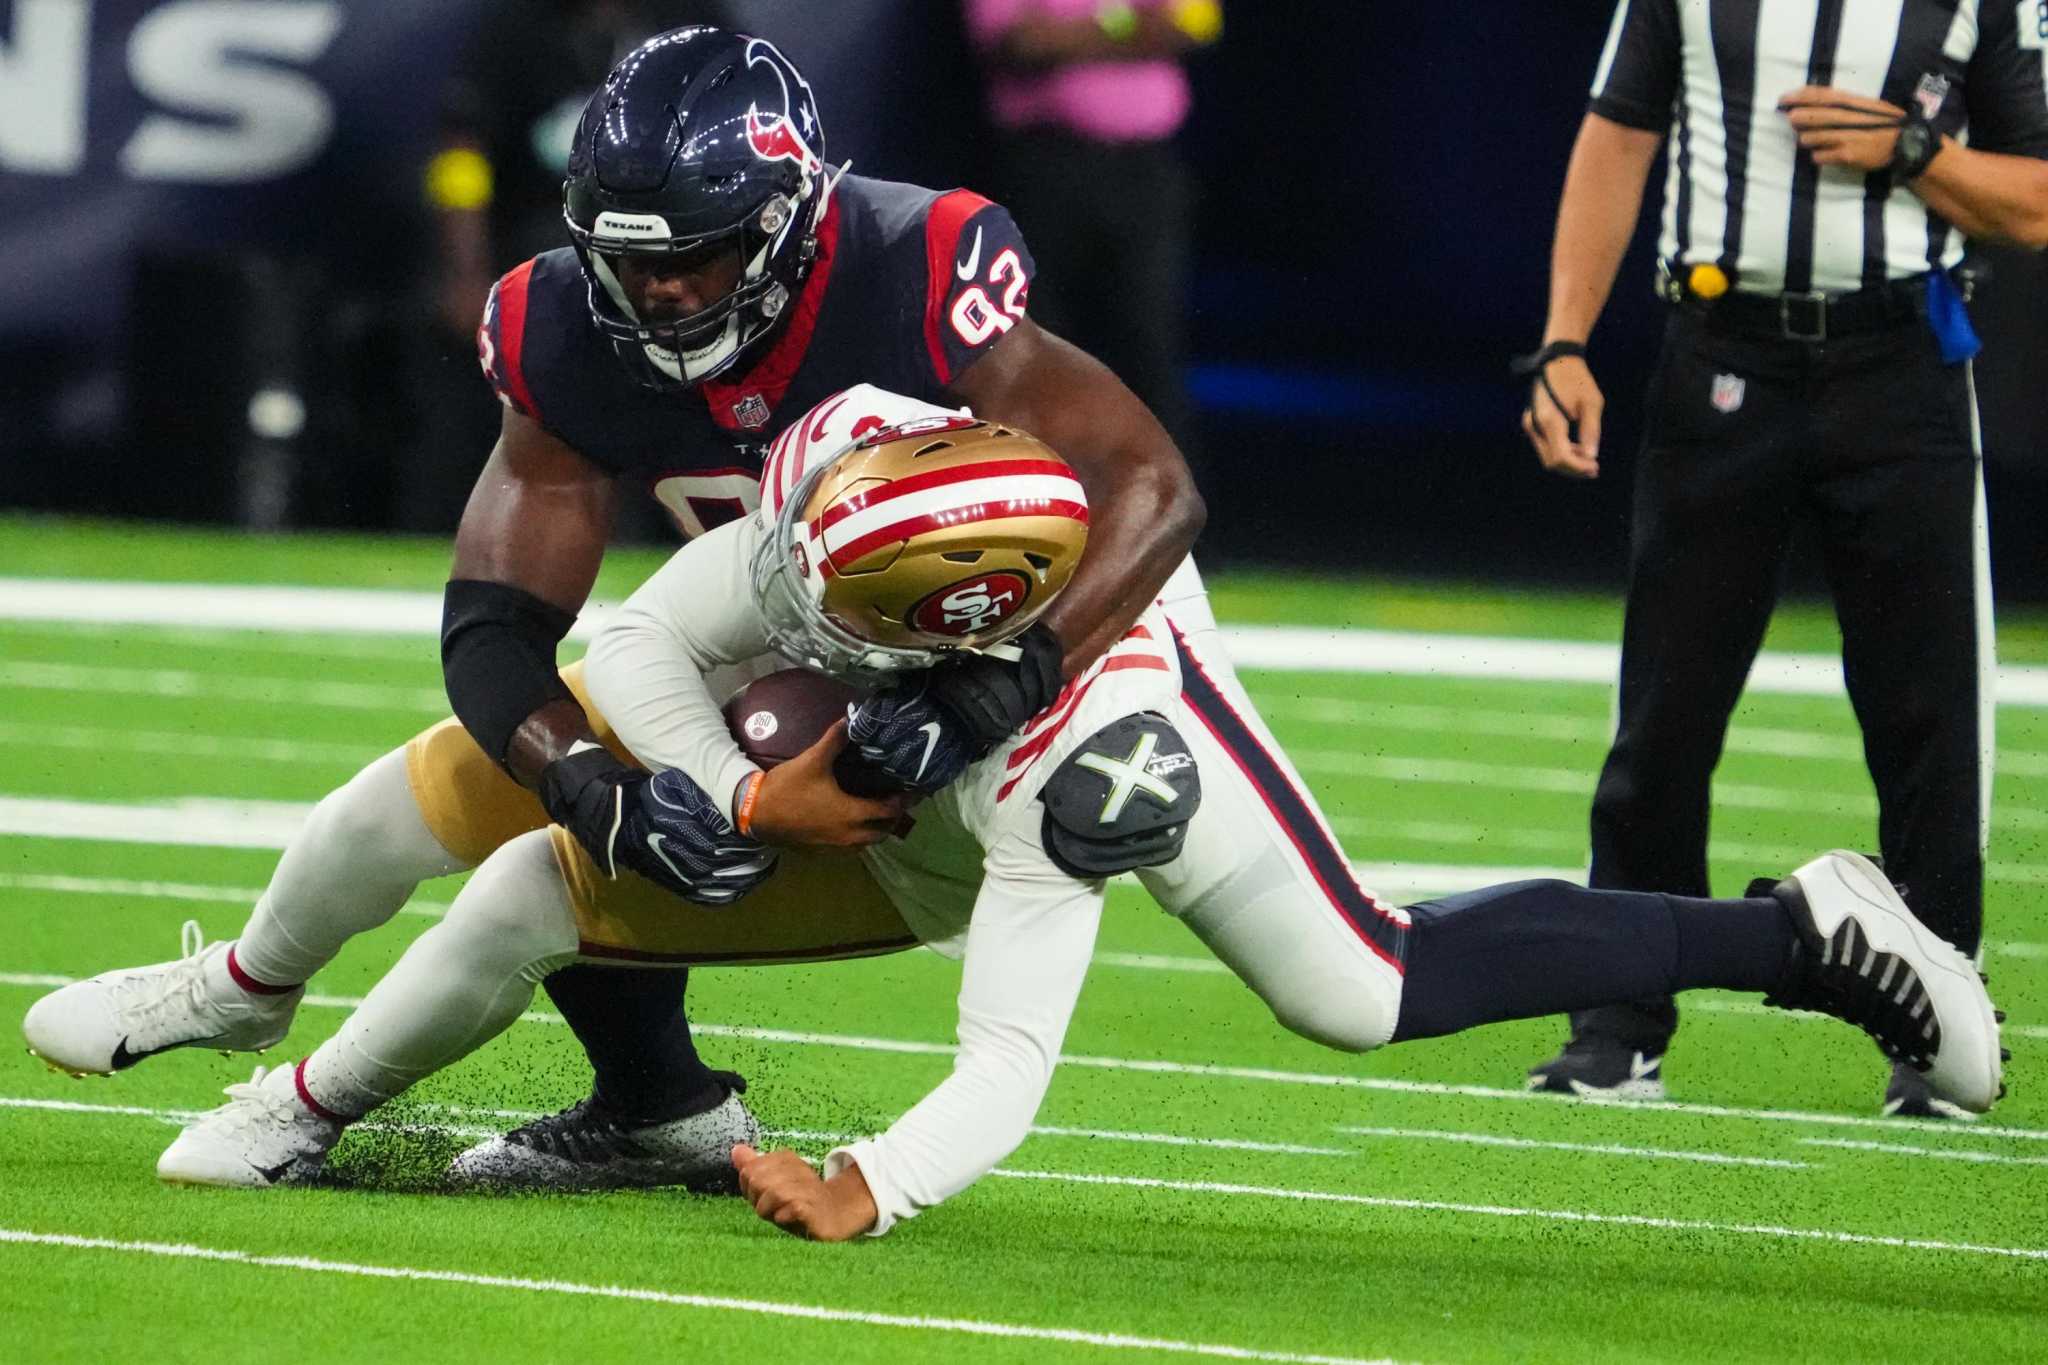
699, 139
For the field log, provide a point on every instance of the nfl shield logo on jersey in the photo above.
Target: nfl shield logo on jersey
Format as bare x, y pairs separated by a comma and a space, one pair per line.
751, 412
1727, 394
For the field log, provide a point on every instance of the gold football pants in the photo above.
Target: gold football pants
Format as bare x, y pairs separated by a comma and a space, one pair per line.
819, 904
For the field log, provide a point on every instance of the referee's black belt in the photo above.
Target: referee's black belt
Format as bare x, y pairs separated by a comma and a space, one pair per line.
1813, 317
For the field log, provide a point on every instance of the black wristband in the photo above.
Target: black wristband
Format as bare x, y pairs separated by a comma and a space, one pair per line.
1530, 365
1534, 366
498, 658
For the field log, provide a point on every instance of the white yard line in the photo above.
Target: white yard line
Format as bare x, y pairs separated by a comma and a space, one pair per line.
1367, 718
1633, 1220
177, 891
187, 744
1588, 1148
763, 1307
223, 606
1903, 1149
235, 687
913, 1047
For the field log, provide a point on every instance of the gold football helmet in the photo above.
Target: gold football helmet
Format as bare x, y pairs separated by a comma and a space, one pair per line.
939, 534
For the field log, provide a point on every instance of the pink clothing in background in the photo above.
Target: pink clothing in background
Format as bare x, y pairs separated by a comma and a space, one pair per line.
1107, 101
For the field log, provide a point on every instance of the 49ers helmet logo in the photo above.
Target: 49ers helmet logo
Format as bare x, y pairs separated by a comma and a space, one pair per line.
971, 605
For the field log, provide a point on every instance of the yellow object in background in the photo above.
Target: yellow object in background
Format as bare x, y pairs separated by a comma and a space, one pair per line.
1707, 281
460, 179
1201, 20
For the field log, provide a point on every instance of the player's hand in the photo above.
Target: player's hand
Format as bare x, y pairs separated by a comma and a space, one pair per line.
993, 692
786, 1191
801, 802
1838, 128
910, 741
1548, 420
663, 826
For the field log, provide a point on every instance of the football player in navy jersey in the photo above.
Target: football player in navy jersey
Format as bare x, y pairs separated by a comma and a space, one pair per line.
722, 277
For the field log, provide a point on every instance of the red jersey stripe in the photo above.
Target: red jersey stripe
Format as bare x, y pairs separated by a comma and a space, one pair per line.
512, 337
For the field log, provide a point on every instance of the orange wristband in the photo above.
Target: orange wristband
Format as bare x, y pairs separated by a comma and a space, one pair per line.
743, 814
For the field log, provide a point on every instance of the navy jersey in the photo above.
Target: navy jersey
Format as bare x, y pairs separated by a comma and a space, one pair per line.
909, 287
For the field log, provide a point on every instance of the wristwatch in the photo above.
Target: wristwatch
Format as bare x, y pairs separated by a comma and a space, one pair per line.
1919, 142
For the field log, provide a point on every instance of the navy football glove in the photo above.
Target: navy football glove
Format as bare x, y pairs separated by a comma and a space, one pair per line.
992, 696
664, 827
914, 745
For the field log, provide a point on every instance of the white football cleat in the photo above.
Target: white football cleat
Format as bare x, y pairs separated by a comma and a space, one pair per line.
587, 1148
1865, 959
263, 1136
117, 1018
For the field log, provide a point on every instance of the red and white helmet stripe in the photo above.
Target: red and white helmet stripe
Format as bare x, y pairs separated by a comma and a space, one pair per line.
827, 429
852, 527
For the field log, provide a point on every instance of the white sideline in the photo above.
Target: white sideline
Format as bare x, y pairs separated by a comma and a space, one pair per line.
1307, 649
916, 1048
766, 1307
1633, 1220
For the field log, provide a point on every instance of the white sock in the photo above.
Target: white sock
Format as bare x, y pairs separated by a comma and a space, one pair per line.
351, 868
461, 983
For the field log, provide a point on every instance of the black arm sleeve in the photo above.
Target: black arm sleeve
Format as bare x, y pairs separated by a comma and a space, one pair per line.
498, 658
2006, 86
1637, 80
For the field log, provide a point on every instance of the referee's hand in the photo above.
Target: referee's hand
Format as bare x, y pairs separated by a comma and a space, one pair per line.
1549, 423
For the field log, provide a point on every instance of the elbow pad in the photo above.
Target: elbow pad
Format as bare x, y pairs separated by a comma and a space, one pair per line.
498, 658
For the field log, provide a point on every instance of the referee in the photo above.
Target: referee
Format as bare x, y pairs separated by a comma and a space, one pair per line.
1827, 160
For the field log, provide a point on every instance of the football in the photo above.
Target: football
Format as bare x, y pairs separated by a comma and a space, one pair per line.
777, 717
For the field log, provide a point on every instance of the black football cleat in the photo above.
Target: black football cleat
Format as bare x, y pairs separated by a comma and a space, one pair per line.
1907, 1096
588, 1147
1596, 1066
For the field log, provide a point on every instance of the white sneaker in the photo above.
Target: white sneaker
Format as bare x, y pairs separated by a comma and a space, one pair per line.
586, 1148
1867, 960
117, 1018
263, 1136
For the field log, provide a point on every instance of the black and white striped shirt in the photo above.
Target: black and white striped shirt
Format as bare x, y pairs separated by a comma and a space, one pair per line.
1739, 193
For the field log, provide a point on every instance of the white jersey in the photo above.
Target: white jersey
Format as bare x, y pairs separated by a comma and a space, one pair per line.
1260, 879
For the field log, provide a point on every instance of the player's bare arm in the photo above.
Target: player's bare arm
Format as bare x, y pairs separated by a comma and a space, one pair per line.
1603, 194
1986, 195
1144, 510
537, 522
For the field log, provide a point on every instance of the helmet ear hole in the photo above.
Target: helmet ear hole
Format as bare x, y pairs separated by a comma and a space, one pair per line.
1036, 561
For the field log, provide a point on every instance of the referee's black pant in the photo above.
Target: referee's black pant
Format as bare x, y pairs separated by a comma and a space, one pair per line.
1870, 442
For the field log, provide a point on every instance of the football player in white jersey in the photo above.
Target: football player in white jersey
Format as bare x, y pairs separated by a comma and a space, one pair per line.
927, 535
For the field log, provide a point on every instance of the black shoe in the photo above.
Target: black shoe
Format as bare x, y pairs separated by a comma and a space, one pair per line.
1908, 1097
589, 1147
1595, 1065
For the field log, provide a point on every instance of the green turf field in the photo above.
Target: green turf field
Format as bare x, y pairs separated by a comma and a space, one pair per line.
1202, 1181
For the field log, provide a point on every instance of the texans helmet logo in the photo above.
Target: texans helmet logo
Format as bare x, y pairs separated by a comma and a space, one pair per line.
773, 136
972, 605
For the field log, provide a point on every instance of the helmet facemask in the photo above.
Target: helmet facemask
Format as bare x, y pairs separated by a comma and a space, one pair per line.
777, 245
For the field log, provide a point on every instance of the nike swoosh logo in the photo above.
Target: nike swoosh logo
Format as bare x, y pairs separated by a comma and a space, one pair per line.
271, 1174
654, 844
123, 1058
973, 264
931, 742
